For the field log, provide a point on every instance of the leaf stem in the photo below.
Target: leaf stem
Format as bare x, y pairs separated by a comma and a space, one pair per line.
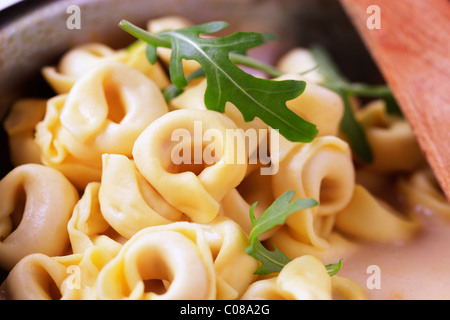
143, 34
247, 61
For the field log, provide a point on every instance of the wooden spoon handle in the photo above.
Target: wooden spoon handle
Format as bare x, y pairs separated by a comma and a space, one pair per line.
412, 50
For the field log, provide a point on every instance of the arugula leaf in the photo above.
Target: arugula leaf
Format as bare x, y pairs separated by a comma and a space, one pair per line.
272, 261
335, 80
150, 52
172, 91
375, 91
333, 268
276, 214
226, 82
353, 129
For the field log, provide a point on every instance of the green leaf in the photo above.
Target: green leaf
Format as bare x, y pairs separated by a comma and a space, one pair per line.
333, 268
244, 60
172, 91
354, 131
272, 261
150, 52
392, 106
277, 213
374, 91
334, 80
226, 82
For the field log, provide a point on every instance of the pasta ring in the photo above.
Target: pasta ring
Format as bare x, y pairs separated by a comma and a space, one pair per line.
37, 203
202, 191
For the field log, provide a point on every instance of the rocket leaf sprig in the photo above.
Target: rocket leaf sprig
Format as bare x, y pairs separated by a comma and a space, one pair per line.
227, 82
276, 214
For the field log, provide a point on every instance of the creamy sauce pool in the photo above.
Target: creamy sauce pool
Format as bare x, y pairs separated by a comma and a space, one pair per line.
416, 270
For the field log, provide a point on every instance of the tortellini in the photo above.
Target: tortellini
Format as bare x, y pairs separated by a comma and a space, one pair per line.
72, 277
322, 170
367, 217
159, 263
20, 126
304, 278
421, 191
203, 177
104, 112
227, 242
255, 131
36, 205
318, 105
236, 203
139, 205
300, 61
391, 139
81, 59
35, 277
87, 227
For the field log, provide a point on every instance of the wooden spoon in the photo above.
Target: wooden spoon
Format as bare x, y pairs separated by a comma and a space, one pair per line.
412, 51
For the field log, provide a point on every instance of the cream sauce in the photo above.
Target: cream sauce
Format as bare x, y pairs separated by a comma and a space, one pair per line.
417, 270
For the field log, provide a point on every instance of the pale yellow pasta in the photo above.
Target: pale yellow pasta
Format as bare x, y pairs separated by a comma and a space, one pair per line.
337, 245
138, 206
162, 262
76, 62
70, 277
234, 206
193, 98
322, 170
36, 205
345, 289
236, 203
137, 59
203, 185
19, 125
265, 289
318, 105
83, 270
393, 143
82, 58
300, 60
369, 218
420, 191
304, 278
87, 226
35, 277
255, 131
227, 242
79, 60
55, 154
105, 111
